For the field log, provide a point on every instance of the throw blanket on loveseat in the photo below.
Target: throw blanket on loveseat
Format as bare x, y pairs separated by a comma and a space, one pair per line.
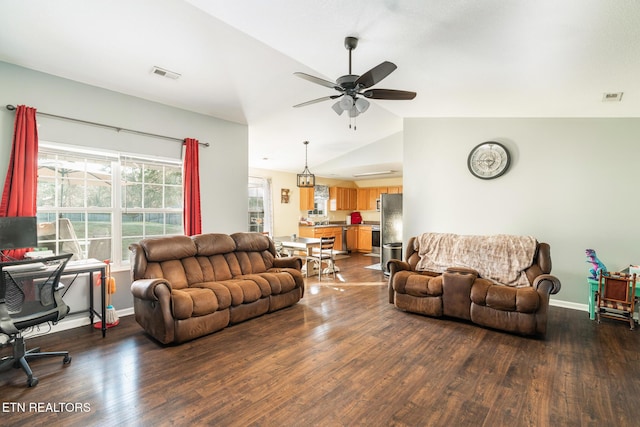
501, 258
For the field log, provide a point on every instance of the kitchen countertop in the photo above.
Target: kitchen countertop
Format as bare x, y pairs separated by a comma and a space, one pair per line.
342, 224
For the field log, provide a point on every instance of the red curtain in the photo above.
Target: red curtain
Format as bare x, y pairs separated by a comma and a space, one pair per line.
21, 184
191, 184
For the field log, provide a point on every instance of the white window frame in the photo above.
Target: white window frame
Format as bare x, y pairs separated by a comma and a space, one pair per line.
119, 259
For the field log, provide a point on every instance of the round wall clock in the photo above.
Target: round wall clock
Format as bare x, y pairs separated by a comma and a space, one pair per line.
489, 160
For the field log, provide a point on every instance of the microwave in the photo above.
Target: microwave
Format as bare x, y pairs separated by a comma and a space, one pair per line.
378, 203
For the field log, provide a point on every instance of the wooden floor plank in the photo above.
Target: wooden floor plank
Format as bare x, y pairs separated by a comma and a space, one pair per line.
341, 356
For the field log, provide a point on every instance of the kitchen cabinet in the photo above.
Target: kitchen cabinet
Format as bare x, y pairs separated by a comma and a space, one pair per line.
306, 198
319, 232
352, 238
374, 195
363, 199
342, 199
368, 196
364, 238
394, 190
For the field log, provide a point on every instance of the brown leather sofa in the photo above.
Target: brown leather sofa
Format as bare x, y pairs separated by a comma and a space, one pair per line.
186, 287
461, 292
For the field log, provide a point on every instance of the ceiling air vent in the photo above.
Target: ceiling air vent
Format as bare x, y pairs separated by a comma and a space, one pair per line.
165, 73
612, 97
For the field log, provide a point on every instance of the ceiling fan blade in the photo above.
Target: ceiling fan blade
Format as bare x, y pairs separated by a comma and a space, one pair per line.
313, 101
375, 75
318, 80
388, 94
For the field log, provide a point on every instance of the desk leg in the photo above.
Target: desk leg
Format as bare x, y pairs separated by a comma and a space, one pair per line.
592, 305
91, 312
103, 291
103, 281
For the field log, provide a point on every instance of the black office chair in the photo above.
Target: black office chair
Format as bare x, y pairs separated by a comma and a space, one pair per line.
28, 297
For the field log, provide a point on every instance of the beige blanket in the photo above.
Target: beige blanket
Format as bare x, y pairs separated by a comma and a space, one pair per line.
501, 258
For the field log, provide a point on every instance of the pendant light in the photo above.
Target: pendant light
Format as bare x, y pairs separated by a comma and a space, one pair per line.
306, 179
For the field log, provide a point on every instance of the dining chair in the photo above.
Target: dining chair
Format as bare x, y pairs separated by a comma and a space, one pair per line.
324, 255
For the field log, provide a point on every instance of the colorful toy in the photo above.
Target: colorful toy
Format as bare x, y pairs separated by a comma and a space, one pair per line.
598, 266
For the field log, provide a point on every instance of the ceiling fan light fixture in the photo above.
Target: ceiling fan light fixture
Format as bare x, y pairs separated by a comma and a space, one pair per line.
362, 105
346, 103
306, 179
354, 88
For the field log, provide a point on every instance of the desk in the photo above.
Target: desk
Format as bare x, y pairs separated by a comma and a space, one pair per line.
89, 266
593, 288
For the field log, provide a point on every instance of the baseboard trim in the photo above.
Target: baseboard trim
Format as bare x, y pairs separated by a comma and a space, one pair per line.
77, 321
570, 305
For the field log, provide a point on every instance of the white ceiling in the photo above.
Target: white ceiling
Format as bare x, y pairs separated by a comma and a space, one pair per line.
464, 58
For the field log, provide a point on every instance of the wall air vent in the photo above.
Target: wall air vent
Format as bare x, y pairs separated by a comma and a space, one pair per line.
612, 97
165, 73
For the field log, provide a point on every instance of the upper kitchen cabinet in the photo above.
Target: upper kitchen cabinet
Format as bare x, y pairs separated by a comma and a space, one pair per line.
306, 198
394, 190
342, 199
363, 199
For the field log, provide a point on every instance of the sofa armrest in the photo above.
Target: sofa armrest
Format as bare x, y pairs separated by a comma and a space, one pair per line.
395, 265
146, 288
547, 281
288, 262
463, 270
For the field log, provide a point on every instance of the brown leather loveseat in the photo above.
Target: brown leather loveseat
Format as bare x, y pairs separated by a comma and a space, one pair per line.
501, 282
186, 287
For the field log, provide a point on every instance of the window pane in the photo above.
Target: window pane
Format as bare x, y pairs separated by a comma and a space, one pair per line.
98, 194
46, 192
173, 175
72, 193
153, 196
153, 174
173, 197
132, 225
132, 197
174, 223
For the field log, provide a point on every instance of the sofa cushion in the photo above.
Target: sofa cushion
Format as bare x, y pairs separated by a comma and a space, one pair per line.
251, 242
274, 282
215, 268
223, 295
193, 302
213, 244
242, 291
505, 298
168, 248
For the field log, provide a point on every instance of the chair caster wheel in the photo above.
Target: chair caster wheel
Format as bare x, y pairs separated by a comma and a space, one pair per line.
66, 360
32, 382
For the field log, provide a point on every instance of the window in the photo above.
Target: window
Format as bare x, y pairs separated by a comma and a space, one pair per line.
87, 200
259, 205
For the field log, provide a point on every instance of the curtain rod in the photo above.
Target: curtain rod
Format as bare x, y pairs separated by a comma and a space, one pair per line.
116, 128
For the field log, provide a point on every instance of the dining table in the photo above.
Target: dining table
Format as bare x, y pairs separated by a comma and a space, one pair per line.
295, 244
292, 244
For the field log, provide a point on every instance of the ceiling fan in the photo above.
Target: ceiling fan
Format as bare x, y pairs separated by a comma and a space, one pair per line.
354, 89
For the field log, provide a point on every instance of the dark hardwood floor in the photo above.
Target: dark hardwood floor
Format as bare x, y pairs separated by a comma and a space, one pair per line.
343, 356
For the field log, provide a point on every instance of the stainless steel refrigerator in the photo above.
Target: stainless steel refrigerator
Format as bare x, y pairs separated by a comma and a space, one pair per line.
390, 228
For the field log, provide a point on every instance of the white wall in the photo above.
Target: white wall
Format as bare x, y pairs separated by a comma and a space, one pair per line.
223, 165
573, 183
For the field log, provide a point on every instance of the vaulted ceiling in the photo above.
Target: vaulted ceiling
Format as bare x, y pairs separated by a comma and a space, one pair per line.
236, 59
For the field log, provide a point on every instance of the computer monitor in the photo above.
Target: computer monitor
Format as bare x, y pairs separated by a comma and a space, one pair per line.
18, 232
